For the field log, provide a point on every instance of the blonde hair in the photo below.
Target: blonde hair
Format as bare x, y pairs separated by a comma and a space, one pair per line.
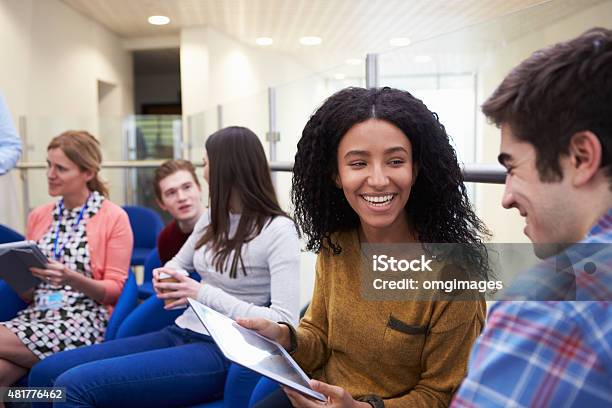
83, 149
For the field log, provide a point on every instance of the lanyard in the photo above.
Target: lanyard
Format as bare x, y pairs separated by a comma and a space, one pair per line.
58, 250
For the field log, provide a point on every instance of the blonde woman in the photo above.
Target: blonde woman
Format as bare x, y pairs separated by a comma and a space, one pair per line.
87, 240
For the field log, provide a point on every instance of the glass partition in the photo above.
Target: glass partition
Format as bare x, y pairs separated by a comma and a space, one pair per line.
453, 74
150, 137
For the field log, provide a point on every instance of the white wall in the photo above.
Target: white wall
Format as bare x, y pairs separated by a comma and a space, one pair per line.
52, 59
216, 69
495, 64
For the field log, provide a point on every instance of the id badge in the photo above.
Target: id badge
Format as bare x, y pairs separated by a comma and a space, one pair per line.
51, 301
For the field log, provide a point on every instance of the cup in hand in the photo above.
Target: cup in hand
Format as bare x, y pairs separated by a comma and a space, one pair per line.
165, 278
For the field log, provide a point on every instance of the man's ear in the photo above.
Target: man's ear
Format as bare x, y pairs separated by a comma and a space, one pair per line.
585, 156
160, 204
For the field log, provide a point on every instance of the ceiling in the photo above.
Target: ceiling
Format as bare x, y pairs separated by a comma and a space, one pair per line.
349, 28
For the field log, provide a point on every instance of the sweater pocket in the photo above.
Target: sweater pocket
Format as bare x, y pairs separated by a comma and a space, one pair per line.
403, 343
400, 326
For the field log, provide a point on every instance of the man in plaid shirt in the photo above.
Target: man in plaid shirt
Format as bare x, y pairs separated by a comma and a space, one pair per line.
555, 115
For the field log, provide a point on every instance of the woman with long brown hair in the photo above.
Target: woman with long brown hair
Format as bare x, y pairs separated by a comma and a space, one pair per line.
85, 237
245, 249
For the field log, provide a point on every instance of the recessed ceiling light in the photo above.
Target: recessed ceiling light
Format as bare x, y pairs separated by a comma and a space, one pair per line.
399, 41
311, 40
264, 41
422, 59
353, 61
339, 75
159, 20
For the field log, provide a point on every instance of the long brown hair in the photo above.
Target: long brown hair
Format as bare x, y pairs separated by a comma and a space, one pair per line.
83, 149
237, 162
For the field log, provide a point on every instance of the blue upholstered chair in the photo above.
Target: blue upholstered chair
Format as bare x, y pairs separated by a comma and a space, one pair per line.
146, 289
9, 235
10, 303
127, 302
146, 225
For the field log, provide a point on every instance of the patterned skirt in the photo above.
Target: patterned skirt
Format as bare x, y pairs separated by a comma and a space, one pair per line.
80, 321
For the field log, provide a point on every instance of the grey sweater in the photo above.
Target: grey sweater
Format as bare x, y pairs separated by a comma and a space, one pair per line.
270, 288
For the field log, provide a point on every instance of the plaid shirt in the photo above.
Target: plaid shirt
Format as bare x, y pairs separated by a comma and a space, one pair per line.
546, 354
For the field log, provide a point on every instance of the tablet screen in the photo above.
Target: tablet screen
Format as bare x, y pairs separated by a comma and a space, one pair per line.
247, 348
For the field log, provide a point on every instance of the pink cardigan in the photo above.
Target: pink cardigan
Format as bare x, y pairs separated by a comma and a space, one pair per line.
110, 241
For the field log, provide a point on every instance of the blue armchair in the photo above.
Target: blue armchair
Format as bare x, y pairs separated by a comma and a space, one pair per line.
127, 302
146, 289
146, 225
10, 303
9, 235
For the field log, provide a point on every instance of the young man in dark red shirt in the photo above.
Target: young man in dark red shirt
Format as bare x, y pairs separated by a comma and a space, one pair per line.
178, 191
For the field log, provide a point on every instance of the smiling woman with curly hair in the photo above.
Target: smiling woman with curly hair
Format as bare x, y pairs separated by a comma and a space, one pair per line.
375, 166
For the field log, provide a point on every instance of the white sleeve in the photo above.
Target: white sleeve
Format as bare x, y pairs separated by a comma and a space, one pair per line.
283, 259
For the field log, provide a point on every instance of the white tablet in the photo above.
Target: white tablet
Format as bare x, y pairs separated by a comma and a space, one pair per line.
251, 350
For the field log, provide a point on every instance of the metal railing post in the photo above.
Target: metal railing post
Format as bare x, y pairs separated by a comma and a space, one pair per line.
372, 71
177, 139
23, 173
219, 117
273, 136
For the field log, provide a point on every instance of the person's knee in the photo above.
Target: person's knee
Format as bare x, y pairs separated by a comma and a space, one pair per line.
75, 382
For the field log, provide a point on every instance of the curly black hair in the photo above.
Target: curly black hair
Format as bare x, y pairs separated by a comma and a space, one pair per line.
438, 205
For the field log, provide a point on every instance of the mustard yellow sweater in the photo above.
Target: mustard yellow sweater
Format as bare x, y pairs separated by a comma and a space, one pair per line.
410, 354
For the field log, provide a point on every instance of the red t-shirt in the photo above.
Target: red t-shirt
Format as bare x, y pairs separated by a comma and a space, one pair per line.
170, 241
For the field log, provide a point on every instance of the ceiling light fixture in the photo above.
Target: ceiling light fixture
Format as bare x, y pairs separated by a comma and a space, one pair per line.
353, 61
399, 41
159, 20
311, 40
421, 59
264, 41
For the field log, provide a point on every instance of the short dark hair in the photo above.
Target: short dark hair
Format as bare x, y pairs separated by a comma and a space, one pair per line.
556, 92
170, 167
